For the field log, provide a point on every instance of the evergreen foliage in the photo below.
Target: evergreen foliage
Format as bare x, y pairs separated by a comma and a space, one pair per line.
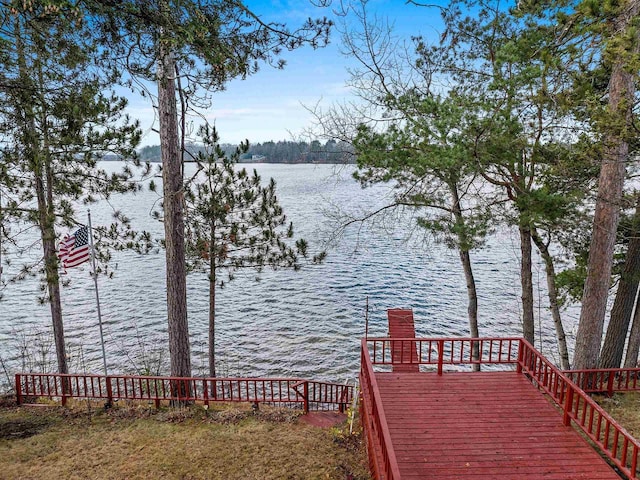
427, 156
189, 49
234, 222
58, 117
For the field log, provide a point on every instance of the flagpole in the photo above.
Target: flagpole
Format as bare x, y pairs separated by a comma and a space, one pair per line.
95, 281
1, 224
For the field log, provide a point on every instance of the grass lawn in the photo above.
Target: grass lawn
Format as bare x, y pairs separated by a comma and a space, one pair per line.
625, 409
137, 442
228, 441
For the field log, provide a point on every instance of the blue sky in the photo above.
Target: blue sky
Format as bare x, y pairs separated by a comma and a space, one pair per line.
270, 104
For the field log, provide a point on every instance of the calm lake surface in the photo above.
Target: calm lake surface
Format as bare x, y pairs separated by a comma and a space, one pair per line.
305, 323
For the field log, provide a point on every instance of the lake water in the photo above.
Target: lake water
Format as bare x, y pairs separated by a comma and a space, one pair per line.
305, 323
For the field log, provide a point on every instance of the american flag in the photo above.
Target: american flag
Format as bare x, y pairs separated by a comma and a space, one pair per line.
74, 249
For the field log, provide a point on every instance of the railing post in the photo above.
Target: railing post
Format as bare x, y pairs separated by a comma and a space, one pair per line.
568, 405
306, 396
344, 395
440, 356
67, 390
109, 391
520, 356
205, 392
611, 377
66, 384
18, 389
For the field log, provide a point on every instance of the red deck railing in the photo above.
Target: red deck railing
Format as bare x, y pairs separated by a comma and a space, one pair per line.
444, 351
562, 388
382, 458
311, 395
606, 380
614, 441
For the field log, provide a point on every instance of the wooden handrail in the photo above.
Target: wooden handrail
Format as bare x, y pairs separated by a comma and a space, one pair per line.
616, 443
157, 389
606, 380
372, 403
446, 351
564, 388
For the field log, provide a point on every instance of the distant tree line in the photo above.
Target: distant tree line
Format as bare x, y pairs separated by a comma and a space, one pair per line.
283, 151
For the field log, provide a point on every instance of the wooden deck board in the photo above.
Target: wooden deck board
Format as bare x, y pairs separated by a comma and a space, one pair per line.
487, 425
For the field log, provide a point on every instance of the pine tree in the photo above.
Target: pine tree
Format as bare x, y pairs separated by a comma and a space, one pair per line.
234, 222
626, 294
427, 155
616, 25
57, 119
187, 48
489, 68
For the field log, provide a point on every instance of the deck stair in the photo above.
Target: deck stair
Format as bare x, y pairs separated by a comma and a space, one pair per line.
404, 354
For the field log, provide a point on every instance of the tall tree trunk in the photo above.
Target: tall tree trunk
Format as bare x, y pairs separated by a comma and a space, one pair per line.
631, 360
53, 286
37, 159
607, 211
526, 281
178, 326
212, 303
51, 267
51, 258
465, 259
622, 311
47, 233
472, 304
552, 291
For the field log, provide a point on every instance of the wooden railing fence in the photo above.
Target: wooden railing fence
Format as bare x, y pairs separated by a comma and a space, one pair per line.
606, 380
382, 459
311, 395
578, 407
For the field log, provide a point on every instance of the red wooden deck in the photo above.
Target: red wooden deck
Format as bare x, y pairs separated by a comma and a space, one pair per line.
521, 418
488, 425
404, 354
